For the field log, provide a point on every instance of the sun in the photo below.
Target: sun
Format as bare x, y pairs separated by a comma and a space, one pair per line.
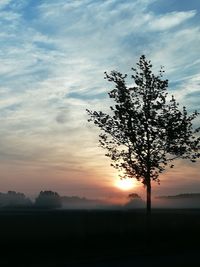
125, 184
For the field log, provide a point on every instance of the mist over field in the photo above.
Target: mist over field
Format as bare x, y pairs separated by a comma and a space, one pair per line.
184, 201
52, 200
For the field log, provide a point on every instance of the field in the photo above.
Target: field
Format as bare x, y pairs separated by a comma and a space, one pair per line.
99, 238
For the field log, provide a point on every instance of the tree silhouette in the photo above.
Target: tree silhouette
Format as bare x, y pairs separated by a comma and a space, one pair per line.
145, 132
14, 199
134, 201
133, 196
48, 199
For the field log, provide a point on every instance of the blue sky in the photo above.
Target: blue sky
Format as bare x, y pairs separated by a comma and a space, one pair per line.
53, 57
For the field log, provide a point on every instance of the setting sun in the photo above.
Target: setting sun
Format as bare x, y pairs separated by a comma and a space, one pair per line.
125, 184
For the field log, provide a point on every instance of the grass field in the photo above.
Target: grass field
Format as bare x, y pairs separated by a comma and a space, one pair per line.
99, 238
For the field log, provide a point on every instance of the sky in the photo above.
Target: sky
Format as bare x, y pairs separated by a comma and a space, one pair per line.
53, 55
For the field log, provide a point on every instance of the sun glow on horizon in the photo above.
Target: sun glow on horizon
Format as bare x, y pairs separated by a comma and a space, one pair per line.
125, 184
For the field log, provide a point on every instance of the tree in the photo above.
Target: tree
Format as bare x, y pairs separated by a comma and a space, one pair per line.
134, 202
133, 196
14, 199
144, 131
48, 199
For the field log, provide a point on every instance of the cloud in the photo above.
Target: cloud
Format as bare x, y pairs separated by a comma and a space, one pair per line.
170, 20
4, 3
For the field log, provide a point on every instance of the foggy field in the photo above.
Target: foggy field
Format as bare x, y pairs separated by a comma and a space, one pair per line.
94, 238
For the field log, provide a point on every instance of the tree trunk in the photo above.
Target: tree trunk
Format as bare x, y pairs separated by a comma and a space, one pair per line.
148, 213
148, 197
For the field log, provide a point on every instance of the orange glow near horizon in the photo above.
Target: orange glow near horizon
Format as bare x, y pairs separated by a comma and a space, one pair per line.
125, 184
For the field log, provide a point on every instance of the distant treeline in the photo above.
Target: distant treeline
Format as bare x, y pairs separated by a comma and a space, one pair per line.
17, 199
182, 196
47, 199
50, 199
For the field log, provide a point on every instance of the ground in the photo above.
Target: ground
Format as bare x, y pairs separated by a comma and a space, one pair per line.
99, 238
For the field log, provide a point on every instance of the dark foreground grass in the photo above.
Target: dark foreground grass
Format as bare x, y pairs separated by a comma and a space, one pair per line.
99, 238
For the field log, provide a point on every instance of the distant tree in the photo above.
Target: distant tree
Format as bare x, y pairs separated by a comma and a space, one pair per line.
133, 196
48, 199
14, 199
134, 201
144, 132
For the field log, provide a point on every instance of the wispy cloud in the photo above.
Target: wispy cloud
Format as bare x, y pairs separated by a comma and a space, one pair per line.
170, 20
